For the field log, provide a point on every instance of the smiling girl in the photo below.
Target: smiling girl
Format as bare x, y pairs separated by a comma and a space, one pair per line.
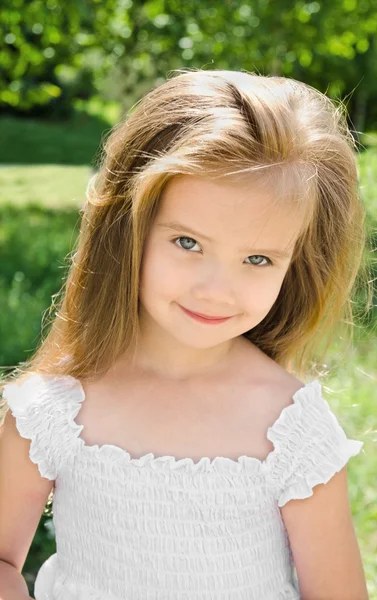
169, 406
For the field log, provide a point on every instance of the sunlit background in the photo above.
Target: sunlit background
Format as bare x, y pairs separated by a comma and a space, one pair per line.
70, 69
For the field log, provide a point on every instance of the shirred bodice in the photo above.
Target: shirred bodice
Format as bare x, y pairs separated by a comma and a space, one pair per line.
158, 528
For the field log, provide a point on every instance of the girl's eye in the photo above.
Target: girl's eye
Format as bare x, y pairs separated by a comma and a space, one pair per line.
185, 239
257, 260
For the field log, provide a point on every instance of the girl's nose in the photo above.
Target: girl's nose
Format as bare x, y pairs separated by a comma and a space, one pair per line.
216, 286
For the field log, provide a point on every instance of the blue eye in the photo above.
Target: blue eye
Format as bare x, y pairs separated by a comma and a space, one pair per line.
256, 256
184, 238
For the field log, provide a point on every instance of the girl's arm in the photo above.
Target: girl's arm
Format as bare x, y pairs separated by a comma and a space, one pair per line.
23, 496
324, 545
13, 585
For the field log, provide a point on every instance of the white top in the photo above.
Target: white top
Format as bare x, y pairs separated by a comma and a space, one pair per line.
158, 528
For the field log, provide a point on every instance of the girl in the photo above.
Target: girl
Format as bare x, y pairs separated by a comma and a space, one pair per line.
219, 244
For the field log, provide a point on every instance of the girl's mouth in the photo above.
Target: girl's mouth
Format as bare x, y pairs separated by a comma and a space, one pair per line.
202, 319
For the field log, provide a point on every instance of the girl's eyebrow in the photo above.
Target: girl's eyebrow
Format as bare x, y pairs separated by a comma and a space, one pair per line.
179, 227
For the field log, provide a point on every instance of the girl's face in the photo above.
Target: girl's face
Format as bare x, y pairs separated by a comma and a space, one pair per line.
217, 249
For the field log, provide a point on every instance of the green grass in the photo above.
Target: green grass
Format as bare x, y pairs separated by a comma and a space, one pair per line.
367, 163
71, 142
51, 162
369, 139
51, 185
352, 395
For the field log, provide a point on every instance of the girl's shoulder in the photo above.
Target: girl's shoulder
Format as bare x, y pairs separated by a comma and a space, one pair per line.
308, 443
273, 384
44, 406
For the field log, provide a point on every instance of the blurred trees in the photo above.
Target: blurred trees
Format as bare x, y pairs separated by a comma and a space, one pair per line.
52, 51
43, 45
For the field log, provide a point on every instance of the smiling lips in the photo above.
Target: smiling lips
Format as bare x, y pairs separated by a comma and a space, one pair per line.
203, 318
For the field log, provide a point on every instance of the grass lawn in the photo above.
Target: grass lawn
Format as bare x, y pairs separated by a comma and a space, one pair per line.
53, 185
54, 162
352, 395
33, 142
51, 162
71, 142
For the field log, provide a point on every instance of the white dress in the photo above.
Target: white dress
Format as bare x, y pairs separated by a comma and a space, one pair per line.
158, 528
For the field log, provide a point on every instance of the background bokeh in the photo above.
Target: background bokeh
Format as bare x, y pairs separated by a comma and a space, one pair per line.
69, 69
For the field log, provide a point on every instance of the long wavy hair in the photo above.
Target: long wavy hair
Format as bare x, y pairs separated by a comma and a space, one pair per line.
213, 124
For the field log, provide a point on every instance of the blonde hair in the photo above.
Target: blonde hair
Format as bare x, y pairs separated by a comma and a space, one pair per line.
213, 124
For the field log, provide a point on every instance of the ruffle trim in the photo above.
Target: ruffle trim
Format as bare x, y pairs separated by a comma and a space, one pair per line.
304, 487
220, 464
41, 411
65, 395
277, 433
27, 409
310, 459
116, 454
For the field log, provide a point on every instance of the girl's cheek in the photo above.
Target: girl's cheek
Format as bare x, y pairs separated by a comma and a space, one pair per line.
164, 274
262, 292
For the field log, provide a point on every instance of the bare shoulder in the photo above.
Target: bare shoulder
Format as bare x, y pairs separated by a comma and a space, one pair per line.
274, 384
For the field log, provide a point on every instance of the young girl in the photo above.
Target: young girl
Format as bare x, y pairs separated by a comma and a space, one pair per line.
166, 407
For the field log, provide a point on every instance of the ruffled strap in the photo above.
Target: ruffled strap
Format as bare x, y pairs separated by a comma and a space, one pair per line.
310, 445
43, 406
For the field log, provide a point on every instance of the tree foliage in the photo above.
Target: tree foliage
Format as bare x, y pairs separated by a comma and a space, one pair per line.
41, 49
124, 46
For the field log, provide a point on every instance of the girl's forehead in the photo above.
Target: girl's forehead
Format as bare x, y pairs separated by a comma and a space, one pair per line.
214, 200
247, 212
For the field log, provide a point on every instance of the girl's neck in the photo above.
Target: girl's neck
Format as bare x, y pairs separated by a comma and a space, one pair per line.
170, 367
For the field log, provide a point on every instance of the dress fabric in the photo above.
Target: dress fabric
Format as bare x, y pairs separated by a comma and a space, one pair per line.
159, 528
